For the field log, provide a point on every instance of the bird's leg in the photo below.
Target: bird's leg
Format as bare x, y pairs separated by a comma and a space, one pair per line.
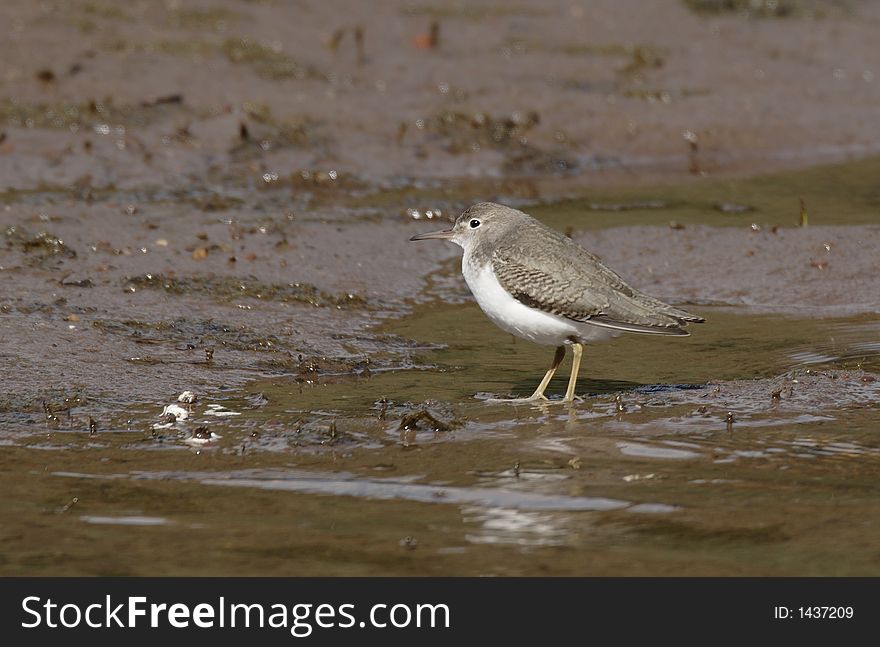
539, 392
577, 350
557, 360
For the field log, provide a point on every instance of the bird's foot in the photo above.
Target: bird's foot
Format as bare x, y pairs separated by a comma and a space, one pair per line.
532, 399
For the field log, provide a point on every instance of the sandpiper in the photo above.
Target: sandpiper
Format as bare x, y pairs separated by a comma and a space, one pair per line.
533, 282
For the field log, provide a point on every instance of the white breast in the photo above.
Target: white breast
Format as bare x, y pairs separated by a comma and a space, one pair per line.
518, 319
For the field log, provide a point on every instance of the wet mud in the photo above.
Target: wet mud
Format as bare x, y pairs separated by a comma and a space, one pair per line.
221, 355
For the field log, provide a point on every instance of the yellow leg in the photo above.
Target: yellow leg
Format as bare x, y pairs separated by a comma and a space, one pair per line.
557, 360
577, 350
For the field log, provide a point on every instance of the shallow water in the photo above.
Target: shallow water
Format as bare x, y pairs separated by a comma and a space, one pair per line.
337, 475
843, 194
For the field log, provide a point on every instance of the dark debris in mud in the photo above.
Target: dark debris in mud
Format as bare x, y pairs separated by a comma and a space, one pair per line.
55, 405
190, 334
229, 288
422, 419
463, 132
772, 8
429, 418
304, 430
310, 369
430, 415
327, 433
795, 392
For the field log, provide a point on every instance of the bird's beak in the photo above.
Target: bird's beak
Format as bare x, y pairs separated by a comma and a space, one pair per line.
445, 234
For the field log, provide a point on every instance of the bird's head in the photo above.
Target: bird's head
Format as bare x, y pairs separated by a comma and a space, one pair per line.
479, 224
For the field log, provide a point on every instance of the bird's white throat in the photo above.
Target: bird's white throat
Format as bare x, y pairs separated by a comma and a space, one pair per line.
519, 319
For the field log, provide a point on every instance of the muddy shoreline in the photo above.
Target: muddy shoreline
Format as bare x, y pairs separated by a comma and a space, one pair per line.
129, 96
261, 292
218, 199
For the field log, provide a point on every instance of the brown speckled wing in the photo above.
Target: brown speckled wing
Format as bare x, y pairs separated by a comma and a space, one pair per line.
575, 284
536, 288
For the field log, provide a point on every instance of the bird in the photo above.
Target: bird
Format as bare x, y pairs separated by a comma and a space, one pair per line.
535, 283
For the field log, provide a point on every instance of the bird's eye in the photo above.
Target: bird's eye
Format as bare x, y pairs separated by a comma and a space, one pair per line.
475, 223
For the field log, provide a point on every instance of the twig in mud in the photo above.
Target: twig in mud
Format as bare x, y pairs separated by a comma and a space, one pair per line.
694, 148
411, 420
68, 506
359, 44
335, 39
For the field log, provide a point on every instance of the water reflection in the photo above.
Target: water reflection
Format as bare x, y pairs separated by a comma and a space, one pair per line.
125, 521
345, 484
512, 526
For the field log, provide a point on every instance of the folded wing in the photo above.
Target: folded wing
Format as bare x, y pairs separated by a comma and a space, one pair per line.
571, 282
